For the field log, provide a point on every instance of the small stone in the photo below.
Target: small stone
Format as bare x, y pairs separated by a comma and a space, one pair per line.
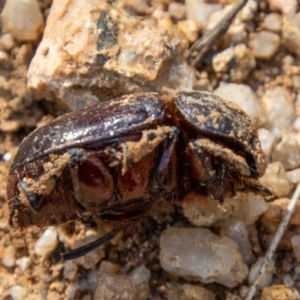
57, 286
295, 240
267, 277
200, 11
9, 257
7, 156
203, 82
243, 96
23, 263
165, 23
89, 282
106, 267
296, 124
23, 19
288, 7
238, 232
264, 44
114, 287
3, 56
189, 292
140, 275
297, 270
293, 177
71, 291
279, 292
247, 207
291, 33
52, 295
139, 6
276, 179
189, 30
204, 212
18, 292
198, 254
177, 11
234, 63
249, 11
278, 105
142, 291
6, 42
46, 243
288, 280
193, 292
267, 141
273, 22
276, 211
243, 291
70, 269
233, 297
287, 151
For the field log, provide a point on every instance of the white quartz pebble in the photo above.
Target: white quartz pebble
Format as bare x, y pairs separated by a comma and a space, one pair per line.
197, 254
273, 22
267, 141
264, 44
140, 274
278, 104
18, 292
47, 242
9, 257
237, 231
276, 179
23, 263
243, 96
23, 19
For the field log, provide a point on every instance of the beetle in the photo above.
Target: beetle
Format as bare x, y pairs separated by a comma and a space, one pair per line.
116, 160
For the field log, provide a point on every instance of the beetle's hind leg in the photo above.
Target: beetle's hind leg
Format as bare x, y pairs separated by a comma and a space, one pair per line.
253, 185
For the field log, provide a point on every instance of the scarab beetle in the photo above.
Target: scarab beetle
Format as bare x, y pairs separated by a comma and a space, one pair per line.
115, 160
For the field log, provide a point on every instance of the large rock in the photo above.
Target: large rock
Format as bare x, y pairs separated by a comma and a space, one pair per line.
91, 52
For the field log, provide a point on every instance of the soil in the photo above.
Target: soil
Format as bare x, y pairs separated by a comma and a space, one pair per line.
20, 113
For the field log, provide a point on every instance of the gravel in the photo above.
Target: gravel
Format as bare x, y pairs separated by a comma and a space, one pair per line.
256, 63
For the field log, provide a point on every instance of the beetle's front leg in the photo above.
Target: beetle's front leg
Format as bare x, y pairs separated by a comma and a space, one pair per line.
215, 170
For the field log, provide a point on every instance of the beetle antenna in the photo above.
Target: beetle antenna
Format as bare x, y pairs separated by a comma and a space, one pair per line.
75, 253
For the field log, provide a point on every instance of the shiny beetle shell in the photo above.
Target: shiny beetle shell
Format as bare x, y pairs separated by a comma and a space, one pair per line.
115, 160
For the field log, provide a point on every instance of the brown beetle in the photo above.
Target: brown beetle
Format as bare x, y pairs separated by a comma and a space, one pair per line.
115, 160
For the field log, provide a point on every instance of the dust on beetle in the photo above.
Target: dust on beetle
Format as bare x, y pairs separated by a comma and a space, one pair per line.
118, 159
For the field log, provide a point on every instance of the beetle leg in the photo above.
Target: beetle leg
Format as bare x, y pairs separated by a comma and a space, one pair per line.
235, 161
213, 168
252, 185
166, 173
75, 253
